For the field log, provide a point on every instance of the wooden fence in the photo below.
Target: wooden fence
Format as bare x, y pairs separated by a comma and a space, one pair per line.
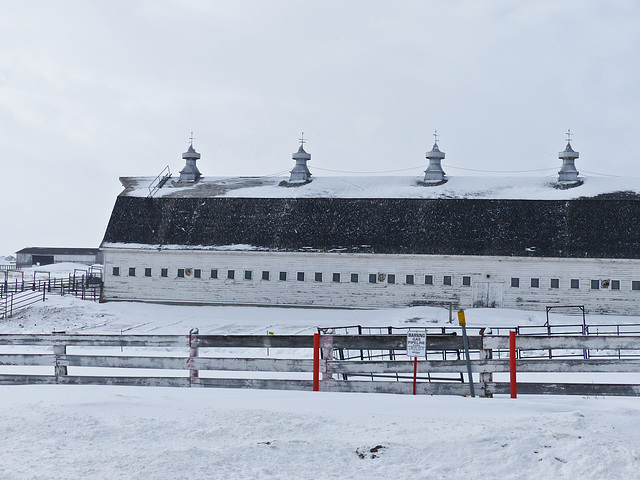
191, 361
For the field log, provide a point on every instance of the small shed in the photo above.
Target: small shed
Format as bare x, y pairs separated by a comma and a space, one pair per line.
47, 255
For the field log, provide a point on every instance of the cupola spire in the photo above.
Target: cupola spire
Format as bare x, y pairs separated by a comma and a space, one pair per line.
568, 175
190, 172
300, 173
434, 175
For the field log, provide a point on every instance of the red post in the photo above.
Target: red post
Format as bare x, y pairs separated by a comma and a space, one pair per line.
415, 373
512, 362
316, 362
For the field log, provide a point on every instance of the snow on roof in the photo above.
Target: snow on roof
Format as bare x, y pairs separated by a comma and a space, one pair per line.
514, 188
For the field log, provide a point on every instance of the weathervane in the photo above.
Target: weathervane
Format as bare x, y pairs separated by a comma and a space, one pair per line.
191, 139
302, 140
569, 136
435, 136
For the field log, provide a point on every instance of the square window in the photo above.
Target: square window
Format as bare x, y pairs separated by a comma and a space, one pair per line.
446, 280
335, 277
391, 278
373, 278
132, 271
318, 276
283, 276
147, 272
248, 274
300, 276
354, 278
575, 283
197, 273
635, 285
595, 284
214, 273
515, 282
231, 274
116, 271
164, 272
409, 280
428, 279
466, 281
181, 272
265, 274
615, 284
555, 283
535, 283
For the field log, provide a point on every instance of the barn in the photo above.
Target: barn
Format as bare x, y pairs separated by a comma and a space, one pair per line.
366, 242
48, 255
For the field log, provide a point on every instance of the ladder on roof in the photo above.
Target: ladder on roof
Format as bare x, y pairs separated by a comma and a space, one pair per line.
159, 181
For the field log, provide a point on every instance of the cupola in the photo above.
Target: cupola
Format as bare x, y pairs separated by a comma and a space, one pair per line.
300, 173
568, 175
190, 172
434, 175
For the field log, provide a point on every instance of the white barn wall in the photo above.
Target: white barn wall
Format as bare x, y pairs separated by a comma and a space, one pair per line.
496, 271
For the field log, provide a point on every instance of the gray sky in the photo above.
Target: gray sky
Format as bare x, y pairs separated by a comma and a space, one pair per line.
94, 90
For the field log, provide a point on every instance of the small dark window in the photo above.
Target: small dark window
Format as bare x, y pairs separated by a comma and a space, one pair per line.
318, 276
515, 282
428, 279
391, 278
164, 272
575, 283
409, 279
555, 283
535, 283
466, 281
181, 272
116, 271
147, 272
197, 273
595, 284
446, 280
354, 278
283, 276
336, 278
615, 284
132, 271
231, 274
373, 278
214, 273
265, 274
300, 276
248, 274
635, 285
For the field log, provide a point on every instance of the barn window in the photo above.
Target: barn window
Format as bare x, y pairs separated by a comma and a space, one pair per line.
354, 278
336, 277
318, 277
595, 284
300, 276
409, 279
615, 284
147, 272
575, 283
197, 273
181, 272
391, 278
515, 282
283, 276
635, 285
466, 281
373, 278
231, 274
428, 279
132, 271
116, 271
265, 274
248, 274
555, 283
164, 272
447, 280
214, 273
535, 283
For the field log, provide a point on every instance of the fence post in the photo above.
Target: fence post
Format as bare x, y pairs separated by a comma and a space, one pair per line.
60, 370
316, 362
193, 353
485, 377
326, 343
512, 363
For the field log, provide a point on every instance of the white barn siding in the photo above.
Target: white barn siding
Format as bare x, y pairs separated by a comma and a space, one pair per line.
490, 279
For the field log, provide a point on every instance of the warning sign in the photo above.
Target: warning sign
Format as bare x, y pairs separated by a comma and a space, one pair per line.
416, 344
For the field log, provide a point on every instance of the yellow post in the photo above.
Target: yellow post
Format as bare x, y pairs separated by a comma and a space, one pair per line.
461, 319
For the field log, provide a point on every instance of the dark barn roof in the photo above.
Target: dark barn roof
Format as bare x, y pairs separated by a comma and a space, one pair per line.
58, 251
605, 227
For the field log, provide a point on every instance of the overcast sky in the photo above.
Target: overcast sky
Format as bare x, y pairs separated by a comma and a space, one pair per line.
94, 90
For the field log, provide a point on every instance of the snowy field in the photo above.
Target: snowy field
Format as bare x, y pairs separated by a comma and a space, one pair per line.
63, 432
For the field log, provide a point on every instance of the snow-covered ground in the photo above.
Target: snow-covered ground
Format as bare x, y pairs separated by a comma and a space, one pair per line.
52, 432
